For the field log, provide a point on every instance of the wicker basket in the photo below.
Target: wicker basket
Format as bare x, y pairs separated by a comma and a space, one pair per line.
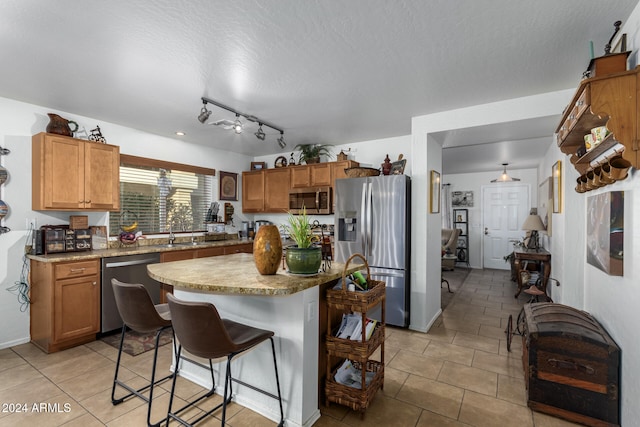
355, 349
357, 399
357, 301
360, 172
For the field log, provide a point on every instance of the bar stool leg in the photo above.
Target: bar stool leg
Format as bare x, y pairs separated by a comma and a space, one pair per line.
149, 386
275, 366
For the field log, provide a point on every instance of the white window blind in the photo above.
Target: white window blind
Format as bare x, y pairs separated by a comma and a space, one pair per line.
158, 197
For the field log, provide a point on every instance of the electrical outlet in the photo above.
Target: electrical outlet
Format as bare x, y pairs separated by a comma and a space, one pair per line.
31, 223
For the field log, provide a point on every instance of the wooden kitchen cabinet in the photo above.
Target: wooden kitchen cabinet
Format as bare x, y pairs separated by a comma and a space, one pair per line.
611, 101
74, 174
253, 191
337, 170
266, 190
314, 175
65, 303
276, 190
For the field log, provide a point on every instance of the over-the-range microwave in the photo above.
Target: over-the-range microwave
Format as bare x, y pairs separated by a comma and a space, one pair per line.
316, 200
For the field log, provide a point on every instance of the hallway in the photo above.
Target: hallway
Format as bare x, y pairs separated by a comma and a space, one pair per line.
458, 374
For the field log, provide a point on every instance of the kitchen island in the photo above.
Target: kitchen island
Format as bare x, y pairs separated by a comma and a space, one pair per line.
291, 306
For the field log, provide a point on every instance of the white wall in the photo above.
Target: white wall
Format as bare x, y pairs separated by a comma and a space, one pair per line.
543, 105
614, 301
474, 182
18, 122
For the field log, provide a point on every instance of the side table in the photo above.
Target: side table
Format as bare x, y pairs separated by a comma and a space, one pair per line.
538, 255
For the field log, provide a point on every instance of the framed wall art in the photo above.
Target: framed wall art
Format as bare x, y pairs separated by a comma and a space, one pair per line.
556, 178
434, 199
605, 232
228, 186
397, 167
462, 199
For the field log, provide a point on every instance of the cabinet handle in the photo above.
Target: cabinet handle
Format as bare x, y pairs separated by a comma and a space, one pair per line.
572, 116
571, 365
76, 270
94, 283
88, 201
580, 103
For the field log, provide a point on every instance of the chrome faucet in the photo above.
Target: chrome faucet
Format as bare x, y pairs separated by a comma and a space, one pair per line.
172, 236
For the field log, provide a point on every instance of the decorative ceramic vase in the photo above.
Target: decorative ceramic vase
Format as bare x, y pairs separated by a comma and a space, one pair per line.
304, 260
3, 175
386, 166
4, 209
60, 125
267, 249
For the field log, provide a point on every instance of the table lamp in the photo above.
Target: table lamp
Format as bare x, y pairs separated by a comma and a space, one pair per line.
533, 223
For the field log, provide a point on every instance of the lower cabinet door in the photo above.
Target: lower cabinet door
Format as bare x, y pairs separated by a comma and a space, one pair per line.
77, 308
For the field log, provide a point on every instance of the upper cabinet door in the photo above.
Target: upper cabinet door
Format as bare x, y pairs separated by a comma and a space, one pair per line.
276, 190
57, 173
102, 176
253, 191
73, 174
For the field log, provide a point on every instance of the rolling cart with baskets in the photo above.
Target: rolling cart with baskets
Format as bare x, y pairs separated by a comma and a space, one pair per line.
357, 353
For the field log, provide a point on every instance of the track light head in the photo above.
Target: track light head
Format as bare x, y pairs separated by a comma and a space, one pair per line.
237, 126
204, 113
281, 142
260, 133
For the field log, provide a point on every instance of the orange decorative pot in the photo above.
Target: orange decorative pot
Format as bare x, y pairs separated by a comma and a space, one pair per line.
267, 249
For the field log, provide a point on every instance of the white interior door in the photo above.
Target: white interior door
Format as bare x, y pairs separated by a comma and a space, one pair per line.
505, 207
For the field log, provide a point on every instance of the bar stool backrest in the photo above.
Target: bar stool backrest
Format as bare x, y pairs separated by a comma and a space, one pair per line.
136, 307
199, 329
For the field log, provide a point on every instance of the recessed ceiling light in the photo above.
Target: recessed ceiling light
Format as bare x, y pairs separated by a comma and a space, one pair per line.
180, 133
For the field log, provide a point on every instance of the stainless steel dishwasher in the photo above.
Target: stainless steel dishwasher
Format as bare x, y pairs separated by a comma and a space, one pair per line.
129, 269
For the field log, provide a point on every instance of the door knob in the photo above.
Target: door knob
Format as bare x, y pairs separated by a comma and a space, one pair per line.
486, 230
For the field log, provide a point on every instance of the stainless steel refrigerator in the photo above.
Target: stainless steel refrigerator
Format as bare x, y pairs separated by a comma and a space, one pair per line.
373, 218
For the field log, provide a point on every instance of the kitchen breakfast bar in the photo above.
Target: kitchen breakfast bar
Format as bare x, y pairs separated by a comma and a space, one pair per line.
291, 306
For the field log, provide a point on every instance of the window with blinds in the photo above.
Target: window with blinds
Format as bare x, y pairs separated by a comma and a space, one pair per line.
158, 195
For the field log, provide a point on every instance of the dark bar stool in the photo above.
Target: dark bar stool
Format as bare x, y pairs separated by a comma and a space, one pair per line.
200, 330
140, 314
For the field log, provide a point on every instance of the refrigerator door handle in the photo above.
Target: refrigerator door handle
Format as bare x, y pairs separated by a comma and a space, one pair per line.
370, 219
363, 226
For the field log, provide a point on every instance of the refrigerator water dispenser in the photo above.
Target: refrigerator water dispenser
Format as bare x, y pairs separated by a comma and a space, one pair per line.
347, 227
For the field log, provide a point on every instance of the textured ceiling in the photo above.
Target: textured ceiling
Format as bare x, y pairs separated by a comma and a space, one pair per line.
326, 71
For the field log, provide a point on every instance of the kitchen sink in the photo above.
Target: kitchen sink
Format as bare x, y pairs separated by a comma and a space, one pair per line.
181, 244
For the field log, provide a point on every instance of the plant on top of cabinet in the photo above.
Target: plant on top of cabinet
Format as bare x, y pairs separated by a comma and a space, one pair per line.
310, 153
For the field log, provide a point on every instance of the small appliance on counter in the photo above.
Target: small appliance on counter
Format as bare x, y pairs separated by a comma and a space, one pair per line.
51, 239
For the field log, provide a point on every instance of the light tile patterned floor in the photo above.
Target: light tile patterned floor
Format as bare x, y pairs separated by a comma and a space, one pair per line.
458, 374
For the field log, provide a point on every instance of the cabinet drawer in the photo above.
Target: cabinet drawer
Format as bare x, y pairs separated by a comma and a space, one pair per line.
77, 269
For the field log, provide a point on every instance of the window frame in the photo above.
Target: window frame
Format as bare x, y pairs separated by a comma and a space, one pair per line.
137, 161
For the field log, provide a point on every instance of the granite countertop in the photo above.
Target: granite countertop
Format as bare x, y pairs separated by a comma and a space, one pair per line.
237, 274
134, 250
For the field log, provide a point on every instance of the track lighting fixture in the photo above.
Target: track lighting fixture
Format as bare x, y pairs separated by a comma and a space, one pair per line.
281, 142
504, 177
237, 125
204, 113
260, 133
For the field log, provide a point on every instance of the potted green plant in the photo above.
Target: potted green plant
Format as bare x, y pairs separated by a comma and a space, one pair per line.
303, 257
310, 153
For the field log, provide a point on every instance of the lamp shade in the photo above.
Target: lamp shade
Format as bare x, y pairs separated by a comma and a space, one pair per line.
533, 222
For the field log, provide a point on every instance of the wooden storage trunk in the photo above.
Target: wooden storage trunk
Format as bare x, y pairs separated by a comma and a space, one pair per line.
571, 365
